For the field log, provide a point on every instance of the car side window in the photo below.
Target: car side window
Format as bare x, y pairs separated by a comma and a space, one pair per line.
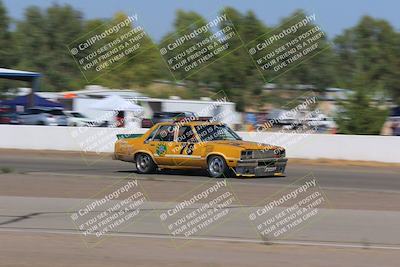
151, 135
165, 133
186, 134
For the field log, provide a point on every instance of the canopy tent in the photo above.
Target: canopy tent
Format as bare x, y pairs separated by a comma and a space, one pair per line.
116, 103
27, 76
128, 112
25, 101
18, 75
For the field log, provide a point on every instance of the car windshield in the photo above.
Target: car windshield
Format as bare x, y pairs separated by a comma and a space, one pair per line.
212, 132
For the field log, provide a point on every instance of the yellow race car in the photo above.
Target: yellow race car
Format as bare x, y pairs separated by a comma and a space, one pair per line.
199, 144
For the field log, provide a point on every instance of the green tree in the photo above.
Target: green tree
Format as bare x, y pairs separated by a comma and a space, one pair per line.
184, 24
41, 40
138, 68
235, 72
359, 116
370, 49
393, 80
314, 68
7, 58
6, 55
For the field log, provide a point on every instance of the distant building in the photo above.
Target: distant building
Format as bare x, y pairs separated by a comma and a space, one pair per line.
82, 101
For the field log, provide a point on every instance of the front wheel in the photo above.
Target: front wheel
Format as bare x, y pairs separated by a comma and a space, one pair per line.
144, 163
217, 167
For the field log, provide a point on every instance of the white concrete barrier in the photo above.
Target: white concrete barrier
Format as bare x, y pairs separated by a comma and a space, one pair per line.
88, 139
331, 146
312, 146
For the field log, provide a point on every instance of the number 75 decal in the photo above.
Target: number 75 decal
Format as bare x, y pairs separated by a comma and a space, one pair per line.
188, 147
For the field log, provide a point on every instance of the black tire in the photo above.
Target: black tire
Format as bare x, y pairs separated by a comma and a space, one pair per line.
144, 163
217, 167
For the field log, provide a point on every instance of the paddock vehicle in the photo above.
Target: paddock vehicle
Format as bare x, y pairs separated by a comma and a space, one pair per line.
43, 116
202, 145
78, 119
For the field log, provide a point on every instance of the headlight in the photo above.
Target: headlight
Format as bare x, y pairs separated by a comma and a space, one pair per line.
279, 153
246, 154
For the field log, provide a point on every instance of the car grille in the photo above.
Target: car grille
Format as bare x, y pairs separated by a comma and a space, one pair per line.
257, 154
262, 154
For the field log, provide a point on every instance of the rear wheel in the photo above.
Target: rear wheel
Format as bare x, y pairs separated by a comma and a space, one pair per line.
144, 163
217, 167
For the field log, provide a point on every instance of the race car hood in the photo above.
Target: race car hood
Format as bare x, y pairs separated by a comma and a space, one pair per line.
247, 145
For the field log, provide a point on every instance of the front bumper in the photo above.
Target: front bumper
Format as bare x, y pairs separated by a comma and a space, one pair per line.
261, 167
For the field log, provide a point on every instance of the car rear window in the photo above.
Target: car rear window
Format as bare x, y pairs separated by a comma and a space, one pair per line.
186, 134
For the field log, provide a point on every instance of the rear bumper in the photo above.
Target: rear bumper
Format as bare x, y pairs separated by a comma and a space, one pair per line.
261, 167
126, 158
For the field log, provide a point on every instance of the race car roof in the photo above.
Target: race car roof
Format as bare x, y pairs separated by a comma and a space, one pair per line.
193, 123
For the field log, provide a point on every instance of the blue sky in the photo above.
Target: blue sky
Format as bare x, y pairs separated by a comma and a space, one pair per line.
157, 15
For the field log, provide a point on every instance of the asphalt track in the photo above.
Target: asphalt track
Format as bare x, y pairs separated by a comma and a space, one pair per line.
40, 191
330, 176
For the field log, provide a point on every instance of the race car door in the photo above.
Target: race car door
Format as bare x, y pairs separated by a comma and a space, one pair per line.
161, 144
186, 149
